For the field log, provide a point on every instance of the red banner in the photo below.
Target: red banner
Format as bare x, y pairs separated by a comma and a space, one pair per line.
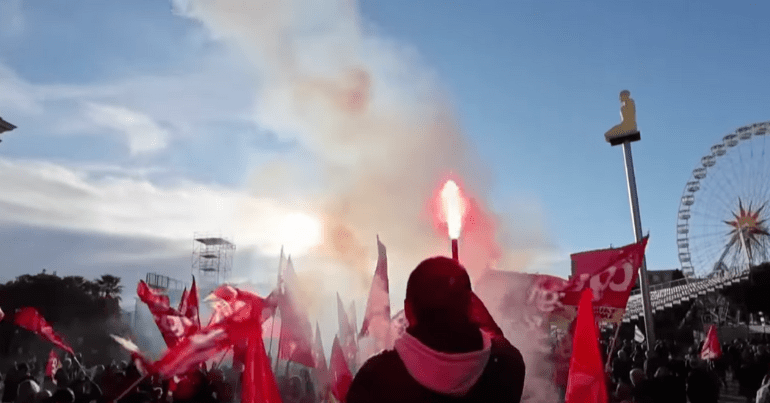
611, 281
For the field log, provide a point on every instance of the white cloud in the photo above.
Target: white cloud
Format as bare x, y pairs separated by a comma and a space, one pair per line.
142, 133
56, 196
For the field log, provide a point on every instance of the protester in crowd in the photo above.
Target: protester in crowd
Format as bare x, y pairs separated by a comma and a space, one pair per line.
443, 354
621, 367
642, 391
702, 383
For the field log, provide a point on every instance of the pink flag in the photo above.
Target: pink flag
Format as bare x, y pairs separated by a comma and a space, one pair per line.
347, 335
29, 318
586, 373
712, 350
296, 333
377, 317
341, 378
322, 371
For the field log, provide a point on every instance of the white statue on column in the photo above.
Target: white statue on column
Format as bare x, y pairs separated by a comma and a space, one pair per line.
627, 115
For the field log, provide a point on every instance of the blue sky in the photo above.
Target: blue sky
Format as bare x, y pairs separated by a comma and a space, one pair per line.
142, 122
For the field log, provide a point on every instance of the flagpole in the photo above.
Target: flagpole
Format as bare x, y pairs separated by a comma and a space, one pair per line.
636, 222
133, 385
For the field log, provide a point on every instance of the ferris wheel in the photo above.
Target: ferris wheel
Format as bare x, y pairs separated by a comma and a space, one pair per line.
722, 223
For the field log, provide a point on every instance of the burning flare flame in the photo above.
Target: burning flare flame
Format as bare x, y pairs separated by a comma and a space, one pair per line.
453, 206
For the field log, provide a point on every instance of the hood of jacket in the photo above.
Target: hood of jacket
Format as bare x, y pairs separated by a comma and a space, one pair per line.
451, 374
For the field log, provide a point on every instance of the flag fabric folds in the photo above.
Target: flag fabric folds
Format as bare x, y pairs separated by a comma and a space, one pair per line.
296, 333
339, 372
377, 316
711, 350
29, 318
191, 351
52, 365
347, 334
321, 369
239, 325
586, 383
172, 324
191, 309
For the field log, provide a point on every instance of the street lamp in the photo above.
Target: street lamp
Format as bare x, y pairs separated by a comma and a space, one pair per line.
5, 127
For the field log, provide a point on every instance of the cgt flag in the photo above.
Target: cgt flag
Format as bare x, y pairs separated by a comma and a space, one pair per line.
585, 383
711, 348
29, 318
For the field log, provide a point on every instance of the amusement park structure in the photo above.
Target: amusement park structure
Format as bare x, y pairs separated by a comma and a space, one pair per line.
723, 238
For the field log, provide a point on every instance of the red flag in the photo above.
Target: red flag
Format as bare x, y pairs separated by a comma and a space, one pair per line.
191, 309
157, 302
52, 365
586, 372
183, 301
611, 283
712, 350
191, 351
172, 324
296, 333
244, 324
2, 315
29, 318
347, 334
341, 378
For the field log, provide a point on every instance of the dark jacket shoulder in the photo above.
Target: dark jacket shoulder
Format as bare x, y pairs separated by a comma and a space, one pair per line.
384, 378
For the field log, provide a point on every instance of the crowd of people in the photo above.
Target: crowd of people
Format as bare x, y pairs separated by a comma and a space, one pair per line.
25, 381
673, 373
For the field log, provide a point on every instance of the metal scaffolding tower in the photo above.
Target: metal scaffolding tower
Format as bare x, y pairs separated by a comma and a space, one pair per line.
212, 257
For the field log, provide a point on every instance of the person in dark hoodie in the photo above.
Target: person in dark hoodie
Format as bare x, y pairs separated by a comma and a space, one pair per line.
451, 351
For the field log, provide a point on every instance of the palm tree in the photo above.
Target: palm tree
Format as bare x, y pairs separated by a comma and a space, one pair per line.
109, 286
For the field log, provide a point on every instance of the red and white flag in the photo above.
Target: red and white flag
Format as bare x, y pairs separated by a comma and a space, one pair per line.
347, 334
712, 350
157, 302
377, 317
586, 382
191, 351
296, 333
172, 324
244, 327
29, 318
339, 372
613, 275
52, 365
